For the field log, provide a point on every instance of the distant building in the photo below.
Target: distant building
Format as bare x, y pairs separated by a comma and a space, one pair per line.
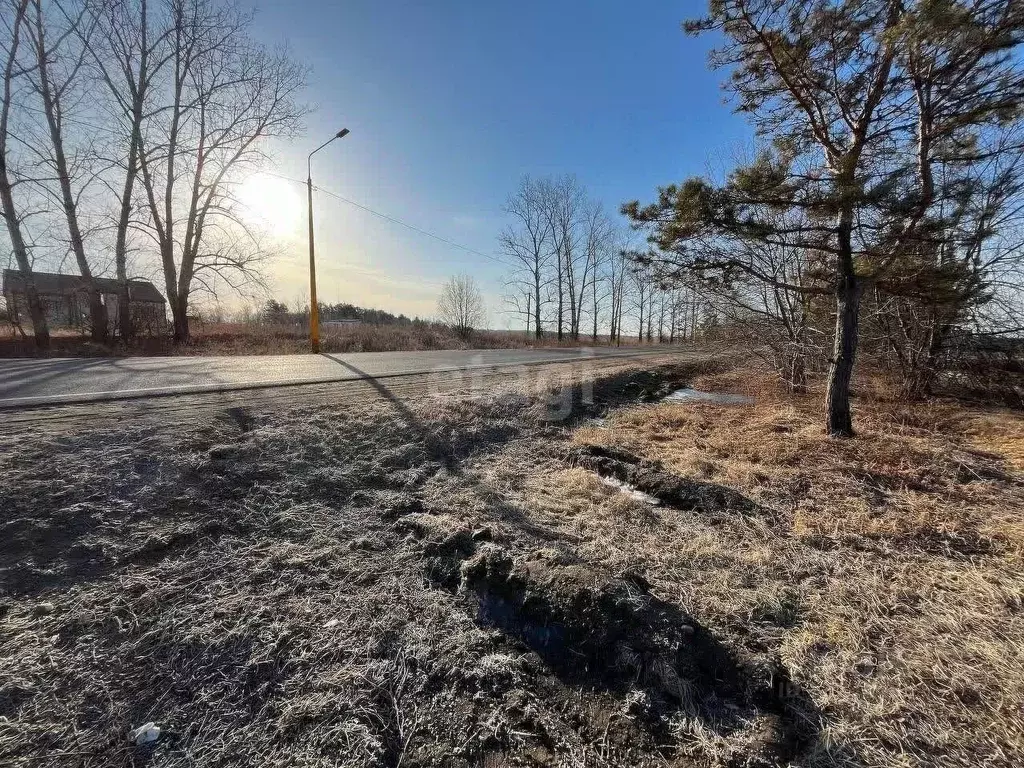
66, 301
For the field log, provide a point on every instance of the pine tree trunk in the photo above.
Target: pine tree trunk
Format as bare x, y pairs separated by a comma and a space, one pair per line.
838, 414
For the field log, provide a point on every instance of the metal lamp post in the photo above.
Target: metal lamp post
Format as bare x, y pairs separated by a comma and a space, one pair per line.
314, 310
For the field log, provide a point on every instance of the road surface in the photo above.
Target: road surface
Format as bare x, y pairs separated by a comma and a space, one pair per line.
61, 381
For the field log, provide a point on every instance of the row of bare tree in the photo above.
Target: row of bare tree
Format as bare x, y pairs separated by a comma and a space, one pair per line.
125, 128
572, 275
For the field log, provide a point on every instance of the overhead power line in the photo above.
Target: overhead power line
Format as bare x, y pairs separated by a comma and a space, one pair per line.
394, 220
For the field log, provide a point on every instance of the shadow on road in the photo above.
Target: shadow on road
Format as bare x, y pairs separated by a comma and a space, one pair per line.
15, 376
437, 452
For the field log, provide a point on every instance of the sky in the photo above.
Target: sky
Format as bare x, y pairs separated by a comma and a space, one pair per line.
449, 104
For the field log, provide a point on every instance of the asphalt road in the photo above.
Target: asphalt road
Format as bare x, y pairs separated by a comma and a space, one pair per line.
32, 383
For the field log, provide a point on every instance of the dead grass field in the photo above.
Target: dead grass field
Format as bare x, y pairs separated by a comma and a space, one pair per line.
266, 339
444, 581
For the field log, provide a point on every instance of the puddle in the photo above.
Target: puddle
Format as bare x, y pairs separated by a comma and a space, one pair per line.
629, 490
686, 394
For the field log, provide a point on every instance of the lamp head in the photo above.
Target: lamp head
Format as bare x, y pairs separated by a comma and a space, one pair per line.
341, 134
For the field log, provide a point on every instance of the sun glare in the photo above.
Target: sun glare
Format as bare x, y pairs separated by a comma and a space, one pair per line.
272, 204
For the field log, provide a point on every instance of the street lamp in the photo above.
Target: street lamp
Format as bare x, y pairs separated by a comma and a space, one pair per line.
314, 310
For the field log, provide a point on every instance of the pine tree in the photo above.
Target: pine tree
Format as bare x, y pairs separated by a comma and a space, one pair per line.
856, 105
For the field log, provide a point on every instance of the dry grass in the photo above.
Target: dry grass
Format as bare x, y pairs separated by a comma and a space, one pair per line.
283, 588
263, 339
892, 589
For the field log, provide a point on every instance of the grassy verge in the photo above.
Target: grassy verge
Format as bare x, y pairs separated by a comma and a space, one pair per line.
446, 581
884, 571
242, 339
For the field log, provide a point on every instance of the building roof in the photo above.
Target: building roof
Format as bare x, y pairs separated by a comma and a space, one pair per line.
65, 285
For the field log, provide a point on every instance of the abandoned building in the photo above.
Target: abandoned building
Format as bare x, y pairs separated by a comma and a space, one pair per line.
66, 301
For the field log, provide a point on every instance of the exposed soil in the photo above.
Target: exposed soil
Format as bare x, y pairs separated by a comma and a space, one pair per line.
445, 581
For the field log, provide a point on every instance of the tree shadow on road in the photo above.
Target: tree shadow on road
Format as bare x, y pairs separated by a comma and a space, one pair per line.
430, 441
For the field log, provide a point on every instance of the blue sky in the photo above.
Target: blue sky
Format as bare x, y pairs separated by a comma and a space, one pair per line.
449, 103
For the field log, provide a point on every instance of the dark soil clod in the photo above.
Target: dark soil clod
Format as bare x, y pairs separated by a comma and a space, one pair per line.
610, 633
651, 478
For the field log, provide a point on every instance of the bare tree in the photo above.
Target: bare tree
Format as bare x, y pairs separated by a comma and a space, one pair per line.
461, 305
642, 289
14, 28
59, 60
129, 52
763, 289
563, 201
577, 227
527, 242
598, 238
618, 277
226, 96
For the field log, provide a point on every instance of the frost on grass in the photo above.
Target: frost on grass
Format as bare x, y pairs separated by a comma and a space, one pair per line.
446, 582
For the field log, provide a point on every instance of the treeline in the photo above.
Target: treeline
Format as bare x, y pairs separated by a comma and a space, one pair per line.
572, 276
881, 212
125, 129
277, 312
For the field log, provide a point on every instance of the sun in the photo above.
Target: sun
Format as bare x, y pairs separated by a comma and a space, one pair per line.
272, 204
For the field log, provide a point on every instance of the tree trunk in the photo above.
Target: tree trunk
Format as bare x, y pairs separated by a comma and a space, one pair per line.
561, 299
574, 325
179, 312
537, 331
613, 322
98, 321
124, 315
124, 311
839, 419
640, 334
797, 374
7, 210
36, 311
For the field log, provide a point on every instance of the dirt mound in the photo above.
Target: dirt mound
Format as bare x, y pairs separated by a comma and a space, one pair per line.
611, 633
652, 478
